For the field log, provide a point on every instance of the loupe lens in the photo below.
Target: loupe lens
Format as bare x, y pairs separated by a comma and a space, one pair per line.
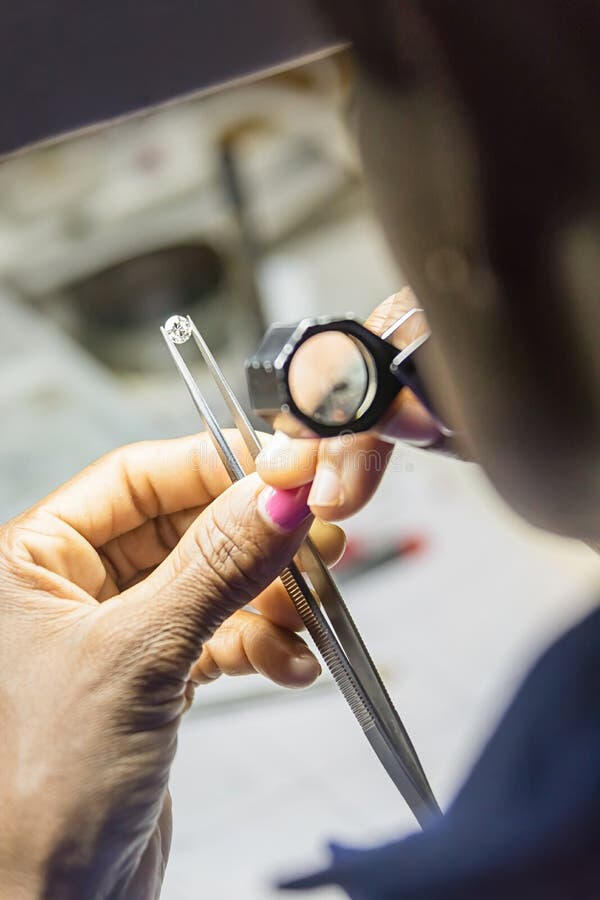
329, 378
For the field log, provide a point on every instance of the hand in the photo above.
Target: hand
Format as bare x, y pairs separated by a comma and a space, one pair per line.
119, 593
345, 471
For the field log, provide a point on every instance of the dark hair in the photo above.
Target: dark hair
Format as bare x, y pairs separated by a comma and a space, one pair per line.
527, 73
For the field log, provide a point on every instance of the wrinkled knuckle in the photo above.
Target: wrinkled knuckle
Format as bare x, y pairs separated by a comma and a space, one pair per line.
120, 456
173, 645
174, 641
233, 556
13, 554
5, 547
151, 667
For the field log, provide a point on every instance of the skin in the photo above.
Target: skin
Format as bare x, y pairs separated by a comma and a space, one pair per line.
119, 594
122, 591
515, 339
513, 363
481, 155
358, 461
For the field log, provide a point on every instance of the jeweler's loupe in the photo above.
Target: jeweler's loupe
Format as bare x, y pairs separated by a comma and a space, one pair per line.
326, 376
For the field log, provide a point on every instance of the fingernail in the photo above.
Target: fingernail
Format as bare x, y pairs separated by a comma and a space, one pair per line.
285, 509
327, 488
273, 456
303, 669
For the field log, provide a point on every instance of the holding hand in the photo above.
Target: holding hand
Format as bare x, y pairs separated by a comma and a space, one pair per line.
118, 594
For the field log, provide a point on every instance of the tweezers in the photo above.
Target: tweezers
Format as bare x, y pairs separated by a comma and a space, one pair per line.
327, 619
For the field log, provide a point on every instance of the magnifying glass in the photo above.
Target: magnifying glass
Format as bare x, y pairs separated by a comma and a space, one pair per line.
328, 375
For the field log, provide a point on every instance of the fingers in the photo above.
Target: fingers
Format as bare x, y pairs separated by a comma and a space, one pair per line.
274, 602
141, 481
248, 643
329, 539
145, 547
407, 418
285, 463
349, 470
134, 555
233, 550
346, 470
392, 309
52, 543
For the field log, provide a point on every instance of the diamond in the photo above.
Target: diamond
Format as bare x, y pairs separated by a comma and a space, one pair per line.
178, 328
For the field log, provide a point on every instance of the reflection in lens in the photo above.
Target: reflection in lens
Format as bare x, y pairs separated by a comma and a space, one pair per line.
328, 378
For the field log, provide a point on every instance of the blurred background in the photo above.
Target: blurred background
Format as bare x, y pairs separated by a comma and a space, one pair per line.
243, 208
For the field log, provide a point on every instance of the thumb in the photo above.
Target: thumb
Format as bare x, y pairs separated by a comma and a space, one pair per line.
235, 548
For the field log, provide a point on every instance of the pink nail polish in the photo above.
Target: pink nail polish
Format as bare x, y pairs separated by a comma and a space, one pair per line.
285, 509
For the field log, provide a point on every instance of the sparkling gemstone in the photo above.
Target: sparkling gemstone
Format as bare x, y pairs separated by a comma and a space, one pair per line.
178, 329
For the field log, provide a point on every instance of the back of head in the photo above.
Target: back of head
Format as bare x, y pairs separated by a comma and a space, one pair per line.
480, 137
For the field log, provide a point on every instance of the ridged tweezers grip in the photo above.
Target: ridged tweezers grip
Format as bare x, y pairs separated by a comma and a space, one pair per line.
420, 800
326, 644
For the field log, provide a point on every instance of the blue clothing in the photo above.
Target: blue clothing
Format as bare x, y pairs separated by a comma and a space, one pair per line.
526, 824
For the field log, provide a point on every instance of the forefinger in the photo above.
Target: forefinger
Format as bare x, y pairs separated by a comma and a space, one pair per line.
138, 482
